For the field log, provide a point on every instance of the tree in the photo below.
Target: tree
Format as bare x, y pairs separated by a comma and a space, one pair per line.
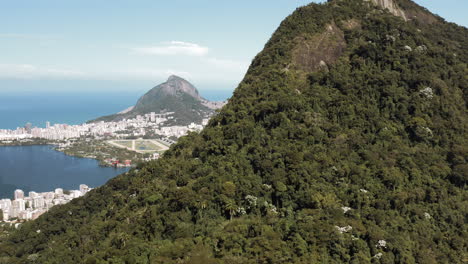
229, 189
230, 206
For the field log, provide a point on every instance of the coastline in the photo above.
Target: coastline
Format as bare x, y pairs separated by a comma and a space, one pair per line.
55, 146
66, 148
42, 168
34, 142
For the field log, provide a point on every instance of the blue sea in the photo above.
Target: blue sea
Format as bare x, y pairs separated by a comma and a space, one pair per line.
73, 108
17, 109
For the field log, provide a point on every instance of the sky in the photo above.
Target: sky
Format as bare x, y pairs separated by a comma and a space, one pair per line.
122, 45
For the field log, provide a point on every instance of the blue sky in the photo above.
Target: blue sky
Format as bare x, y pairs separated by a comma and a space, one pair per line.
94, 45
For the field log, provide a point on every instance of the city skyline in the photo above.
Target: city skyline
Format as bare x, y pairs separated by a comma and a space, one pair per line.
35, 204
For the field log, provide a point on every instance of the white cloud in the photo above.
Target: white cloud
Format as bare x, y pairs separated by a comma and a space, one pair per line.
174, 48
28, 71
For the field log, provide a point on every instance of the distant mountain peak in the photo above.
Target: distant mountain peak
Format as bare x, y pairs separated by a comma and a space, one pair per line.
173, 78
176, 95
176, 85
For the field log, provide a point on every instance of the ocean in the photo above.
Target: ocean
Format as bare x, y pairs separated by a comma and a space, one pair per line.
71, 108
17, 109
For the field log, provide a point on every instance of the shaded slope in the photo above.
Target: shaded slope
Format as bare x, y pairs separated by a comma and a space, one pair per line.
267, 180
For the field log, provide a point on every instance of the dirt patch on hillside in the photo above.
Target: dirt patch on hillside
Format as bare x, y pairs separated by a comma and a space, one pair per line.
351, 24
313, 52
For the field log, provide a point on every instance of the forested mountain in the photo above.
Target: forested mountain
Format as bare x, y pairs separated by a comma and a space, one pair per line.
175, 95
346, 142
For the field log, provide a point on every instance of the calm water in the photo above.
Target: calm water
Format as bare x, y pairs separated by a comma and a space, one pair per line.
73, 108
17, 109
40, 169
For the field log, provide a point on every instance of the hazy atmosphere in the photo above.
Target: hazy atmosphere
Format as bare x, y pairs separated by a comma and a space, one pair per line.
123, 46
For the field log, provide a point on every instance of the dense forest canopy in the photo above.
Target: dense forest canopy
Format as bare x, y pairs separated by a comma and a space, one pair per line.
346, 142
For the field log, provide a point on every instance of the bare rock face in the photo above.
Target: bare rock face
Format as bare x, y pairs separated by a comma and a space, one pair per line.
406, 9
315, 52
176, 85
352, 24
391, 6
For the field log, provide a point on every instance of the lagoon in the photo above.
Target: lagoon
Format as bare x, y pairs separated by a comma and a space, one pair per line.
42, 169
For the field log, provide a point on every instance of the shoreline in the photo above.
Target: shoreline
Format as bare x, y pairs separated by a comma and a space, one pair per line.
16, 143
56, 146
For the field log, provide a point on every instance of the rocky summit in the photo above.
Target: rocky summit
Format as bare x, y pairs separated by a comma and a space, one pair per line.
346, 142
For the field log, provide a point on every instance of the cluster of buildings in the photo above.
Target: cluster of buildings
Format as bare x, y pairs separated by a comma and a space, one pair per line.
118, 164
35, 204
137, 126
179, 131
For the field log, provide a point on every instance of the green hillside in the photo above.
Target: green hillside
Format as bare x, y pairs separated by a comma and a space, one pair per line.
346, 142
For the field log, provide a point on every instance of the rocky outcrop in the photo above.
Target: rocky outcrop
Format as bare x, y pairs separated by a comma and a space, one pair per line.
351, 24
176, 85
391, 6
408, 10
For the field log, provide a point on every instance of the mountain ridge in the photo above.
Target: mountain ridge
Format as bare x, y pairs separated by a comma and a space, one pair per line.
175, 95
359, 159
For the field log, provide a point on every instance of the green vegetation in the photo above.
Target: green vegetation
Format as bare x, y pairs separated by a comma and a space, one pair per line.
125, 143
147, 145
101, 151
27, 142
176, 95
361, 160
140, 145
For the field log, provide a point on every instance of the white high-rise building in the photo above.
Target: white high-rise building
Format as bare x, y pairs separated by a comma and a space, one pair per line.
47, 124
6, 215
75, 194
38, 202
59, 191
33, 194
5, 204
84, 188
49, 195
19, 194
19, 204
